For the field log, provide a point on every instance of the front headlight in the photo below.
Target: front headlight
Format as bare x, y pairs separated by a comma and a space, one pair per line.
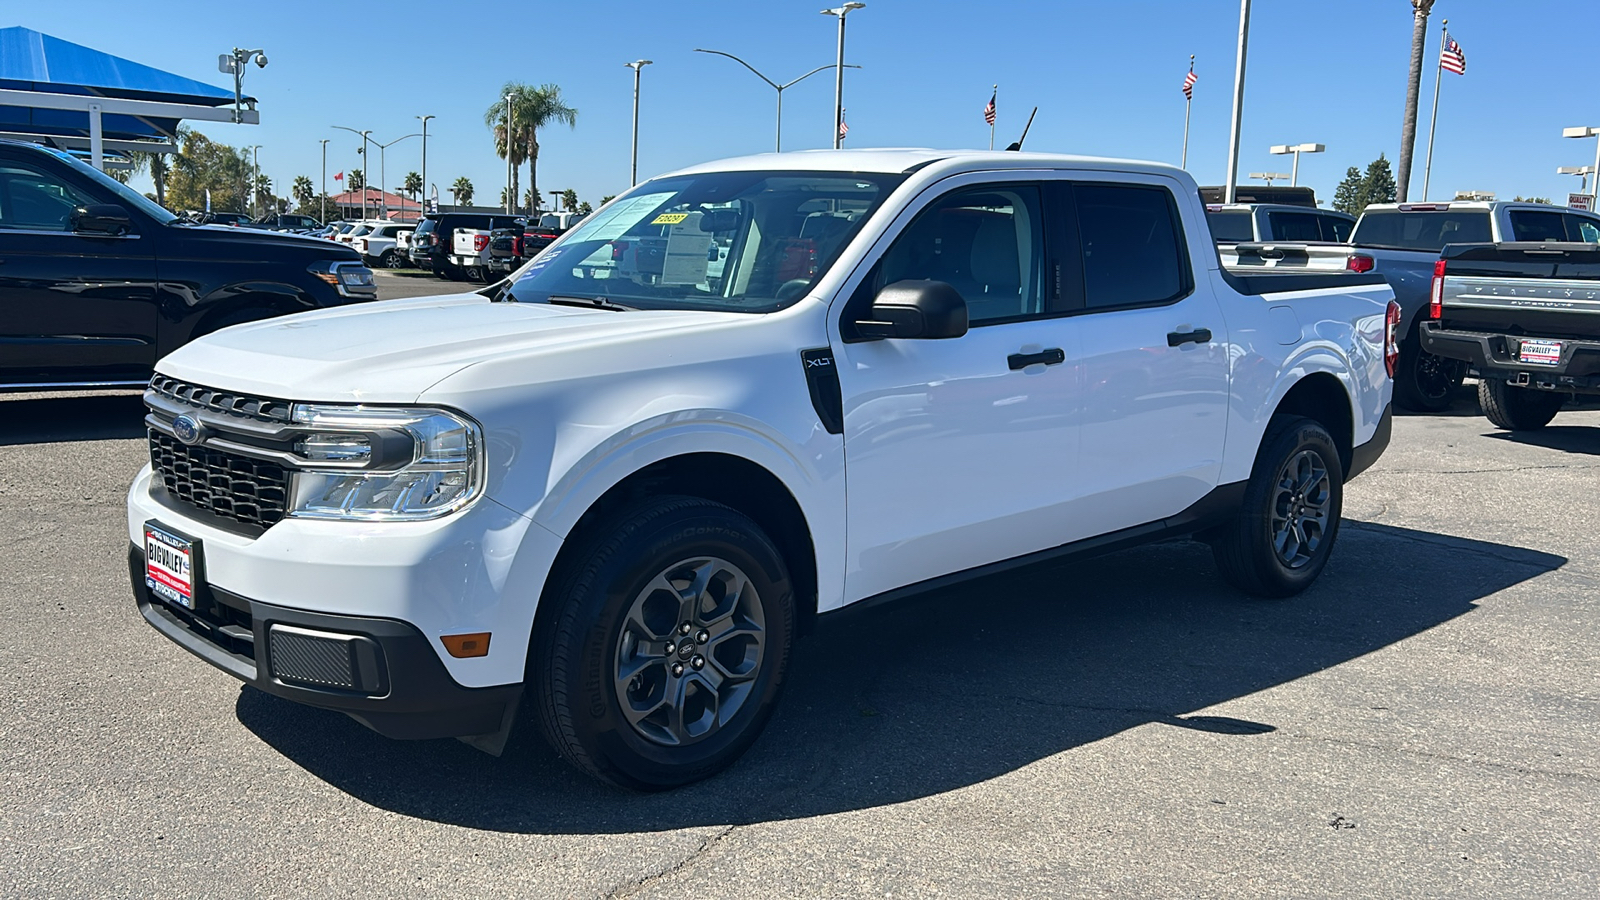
424, 463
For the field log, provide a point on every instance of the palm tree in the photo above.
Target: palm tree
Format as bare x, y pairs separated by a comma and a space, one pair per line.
1408, 130
304, 191
532, 108
462, 191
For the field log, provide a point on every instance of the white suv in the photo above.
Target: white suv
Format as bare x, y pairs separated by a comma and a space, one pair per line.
379, 246
617, 494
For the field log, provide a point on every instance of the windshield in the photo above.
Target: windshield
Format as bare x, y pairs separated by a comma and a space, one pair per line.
739, 241
1231, 226
1400, 229
124, 193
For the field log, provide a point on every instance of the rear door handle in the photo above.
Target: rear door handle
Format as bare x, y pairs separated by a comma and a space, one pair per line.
1197, 336
1051, 357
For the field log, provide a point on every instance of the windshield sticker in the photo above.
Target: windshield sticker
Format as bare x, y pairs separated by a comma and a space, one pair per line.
544, 260
688, 252
670, 219
612, 222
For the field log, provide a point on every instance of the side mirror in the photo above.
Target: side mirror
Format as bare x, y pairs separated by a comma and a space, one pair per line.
915, 309
101, 218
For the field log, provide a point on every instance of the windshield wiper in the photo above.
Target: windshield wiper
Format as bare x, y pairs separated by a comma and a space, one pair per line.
589, 303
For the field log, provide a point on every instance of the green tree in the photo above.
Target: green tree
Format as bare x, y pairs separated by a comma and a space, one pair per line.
356, 178
1544, 200
462, 191
607, 199
584, 208
569, 200
203, 165
532, 108
413, 185
303, 191
1347, 196
158, 165
1378, 185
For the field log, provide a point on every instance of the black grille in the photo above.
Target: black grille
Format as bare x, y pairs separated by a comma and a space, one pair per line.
262, 409
252, 491
312, 659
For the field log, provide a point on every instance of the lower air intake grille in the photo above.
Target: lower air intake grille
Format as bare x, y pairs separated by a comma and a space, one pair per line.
348, 662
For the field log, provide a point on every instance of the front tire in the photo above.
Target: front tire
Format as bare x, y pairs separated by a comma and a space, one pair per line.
1279, 541
666, 644
1424, 382
1517, 408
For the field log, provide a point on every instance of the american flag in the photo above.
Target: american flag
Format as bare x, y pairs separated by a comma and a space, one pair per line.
1453, 58
844, 127
1188, 85
988, 111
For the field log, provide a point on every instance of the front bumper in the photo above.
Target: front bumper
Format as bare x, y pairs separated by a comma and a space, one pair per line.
381, 672
1494, 355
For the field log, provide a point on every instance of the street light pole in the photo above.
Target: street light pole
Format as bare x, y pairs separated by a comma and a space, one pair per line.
325, 180
636, 65
1269, 177
511, 200
365, 165
555, 201
255, 184
383, 171
424, 190
1582, 172
1296, 149
1229, 189
838, 80
780, 88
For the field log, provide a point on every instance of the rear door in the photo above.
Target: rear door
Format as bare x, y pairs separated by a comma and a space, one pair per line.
1154, 358
74, 308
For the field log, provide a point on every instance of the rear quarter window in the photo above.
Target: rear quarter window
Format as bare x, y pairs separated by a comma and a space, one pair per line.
1423, 230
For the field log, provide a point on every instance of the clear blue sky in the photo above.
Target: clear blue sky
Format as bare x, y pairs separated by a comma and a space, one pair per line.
1105, 76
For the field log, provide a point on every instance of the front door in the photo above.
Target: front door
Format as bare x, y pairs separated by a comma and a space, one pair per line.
74, 308
961, 452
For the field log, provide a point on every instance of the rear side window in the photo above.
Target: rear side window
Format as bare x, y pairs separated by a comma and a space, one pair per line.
1231, 226
1295, 226
1399, 229
1131, 244
1532, 225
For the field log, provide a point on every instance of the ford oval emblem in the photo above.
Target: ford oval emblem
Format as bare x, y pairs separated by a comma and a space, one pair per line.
187, 430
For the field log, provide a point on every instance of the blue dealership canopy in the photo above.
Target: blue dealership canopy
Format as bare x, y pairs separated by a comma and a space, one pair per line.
134, 102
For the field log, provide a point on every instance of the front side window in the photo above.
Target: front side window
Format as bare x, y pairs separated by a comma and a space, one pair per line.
34, 200
1582, 229
1132, 252
986, 242
735, 241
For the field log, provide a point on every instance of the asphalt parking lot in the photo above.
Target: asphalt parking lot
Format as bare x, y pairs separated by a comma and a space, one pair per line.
1421, 723
401, 283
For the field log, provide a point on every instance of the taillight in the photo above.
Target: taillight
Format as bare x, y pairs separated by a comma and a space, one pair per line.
479, 241
363, 245
619, 249
1436, 298
1391, 338
1359, 263
516, 246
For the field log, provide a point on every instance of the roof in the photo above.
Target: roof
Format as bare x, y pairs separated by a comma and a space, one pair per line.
375, 197
45, 62
897, 160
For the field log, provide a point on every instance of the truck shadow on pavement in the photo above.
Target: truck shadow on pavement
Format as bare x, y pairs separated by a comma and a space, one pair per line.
97, 417
954, 688
1566, 438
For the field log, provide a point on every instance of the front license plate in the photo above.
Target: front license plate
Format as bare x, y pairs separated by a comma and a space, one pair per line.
169, 565
1539, 353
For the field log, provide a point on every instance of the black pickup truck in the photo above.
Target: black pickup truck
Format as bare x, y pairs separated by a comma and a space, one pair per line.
1525, 317
97, 282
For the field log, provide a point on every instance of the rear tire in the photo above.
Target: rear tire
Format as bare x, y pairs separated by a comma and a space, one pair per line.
1279, 541
1517, 408
1424, 382
665, 645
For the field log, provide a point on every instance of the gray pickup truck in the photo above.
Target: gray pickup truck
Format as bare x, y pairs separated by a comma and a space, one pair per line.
1524, 318
1402, 242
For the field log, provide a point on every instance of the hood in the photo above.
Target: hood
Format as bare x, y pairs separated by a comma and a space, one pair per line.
392, 351
243, 236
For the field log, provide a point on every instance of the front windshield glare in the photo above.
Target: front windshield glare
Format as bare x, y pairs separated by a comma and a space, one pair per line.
739, 241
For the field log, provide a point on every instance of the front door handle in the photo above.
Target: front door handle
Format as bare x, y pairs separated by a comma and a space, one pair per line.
1197, 336
1051, 357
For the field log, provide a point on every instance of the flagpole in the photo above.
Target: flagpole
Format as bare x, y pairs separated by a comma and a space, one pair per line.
995, 100
1188, 103
1438, 76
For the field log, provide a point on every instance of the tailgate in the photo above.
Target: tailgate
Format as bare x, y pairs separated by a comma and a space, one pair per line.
1534, 289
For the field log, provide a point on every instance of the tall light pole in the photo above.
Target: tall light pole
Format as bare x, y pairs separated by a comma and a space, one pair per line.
383, 172
364, 166
780, 88
1296, 149
1582, 172
838, 80
1228, 189
325, 180
511, 200
423, 193
255, 183
1583, 132
555, 200
636, 65
1269, 177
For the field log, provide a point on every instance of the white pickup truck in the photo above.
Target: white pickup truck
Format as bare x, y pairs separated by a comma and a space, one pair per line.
618, 495
469, 252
